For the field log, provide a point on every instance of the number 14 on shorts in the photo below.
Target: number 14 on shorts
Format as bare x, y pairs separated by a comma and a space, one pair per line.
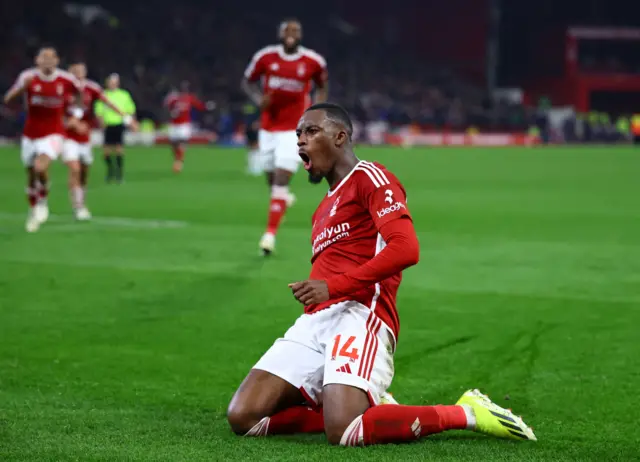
344, 351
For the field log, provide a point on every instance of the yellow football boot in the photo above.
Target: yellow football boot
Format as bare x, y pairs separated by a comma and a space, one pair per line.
493, 420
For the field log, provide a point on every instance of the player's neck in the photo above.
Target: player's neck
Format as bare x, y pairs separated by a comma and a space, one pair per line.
342, 169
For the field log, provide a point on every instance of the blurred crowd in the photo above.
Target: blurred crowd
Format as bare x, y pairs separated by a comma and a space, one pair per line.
154, 48
155, 45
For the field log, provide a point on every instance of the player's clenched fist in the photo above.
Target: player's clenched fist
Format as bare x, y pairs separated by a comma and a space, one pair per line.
310, 292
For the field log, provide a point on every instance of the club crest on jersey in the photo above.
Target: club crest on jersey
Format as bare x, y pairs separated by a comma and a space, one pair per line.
302, 69
60, 89
389, 196
37, 87
333, 210
275, 67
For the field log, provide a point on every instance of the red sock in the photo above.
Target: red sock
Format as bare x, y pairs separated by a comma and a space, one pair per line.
296, 419
277, 208
391, 423
32, 196
178, 152
43, 192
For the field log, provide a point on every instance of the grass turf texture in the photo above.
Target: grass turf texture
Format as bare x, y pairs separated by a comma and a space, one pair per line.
126, 337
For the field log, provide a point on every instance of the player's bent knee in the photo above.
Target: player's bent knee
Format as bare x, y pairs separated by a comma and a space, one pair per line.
344, 406
242, 417
74, 167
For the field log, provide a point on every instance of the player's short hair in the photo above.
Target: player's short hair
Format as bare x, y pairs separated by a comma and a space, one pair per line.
46, 46
335, 113
285, 21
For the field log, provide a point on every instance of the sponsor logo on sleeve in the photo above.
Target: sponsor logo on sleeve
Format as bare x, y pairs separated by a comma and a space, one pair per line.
388, 196
392, 208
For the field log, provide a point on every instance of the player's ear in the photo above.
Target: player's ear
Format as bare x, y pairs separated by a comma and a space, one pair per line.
341, 138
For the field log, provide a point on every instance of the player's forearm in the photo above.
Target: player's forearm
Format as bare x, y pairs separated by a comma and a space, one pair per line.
252, 91
322, 93
401, 252
12, 94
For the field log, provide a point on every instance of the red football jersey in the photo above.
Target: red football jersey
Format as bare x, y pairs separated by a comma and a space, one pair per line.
345, 235
180, 104
287, 79
91, 92
46, 97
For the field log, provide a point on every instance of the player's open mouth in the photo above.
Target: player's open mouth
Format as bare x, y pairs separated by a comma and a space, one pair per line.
306, 161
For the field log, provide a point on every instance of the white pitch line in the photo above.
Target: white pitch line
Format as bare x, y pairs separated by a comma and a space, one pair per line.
121, 222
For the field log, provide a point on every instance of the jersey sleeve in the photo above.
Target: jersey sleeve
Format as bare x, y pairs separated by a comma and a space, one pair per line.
256, 67
21, 81
169, 99
382, 194
96, 91
196, 103
74, 86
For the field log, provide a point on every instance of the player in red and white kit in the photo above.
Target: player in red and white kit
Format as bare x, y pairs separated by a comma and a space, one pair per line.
76, 152
180, 103
332, 367
286, 72
46, 90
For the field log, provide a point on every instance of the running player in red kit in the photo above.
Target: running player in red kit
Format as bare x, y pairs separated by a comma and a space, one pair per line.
76, 152
179, 104
47, 90
332, 367
286, 72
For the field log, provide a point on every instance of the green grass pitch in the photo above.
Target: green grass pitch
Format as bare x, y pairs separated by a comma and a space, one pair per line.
124, 338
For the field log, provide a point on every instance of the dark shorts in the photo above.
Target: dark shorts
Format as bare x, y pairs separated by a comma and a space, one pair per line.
252, 136
113, 134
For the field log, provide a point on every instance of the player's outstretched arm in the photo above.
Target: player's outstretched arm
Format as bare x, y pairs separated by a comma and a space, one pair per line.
110, 105
128, 119
322, 92
13, 93
252, 90
19, 87
401, 252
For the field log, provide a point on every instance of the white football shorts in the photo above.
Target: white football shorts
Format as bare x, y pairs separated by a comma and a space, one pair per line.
279, 150
72, 150
50, 146
344, 344
180, 132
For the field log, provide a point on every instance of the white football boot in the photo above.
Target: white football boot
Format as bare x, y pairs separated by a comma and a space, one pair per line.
32, 225
82, 214
267, 244
291, 199
41, 211
387, 398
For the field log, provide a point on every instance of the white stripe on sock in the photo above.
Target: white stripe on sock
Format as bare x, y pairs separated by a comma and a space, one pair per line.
353, 435
471, 416
260, 429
